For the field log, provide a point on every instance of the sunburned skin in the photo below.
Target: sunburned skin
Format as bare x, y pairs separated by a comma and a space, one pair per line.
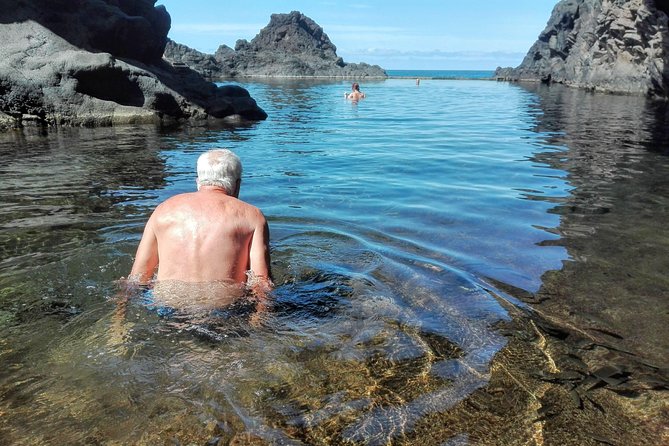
203, 236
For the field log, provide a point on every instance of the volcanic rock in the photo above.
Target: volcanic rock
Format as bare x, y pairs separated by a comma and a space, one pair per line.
99, 62
291, 45
619, 46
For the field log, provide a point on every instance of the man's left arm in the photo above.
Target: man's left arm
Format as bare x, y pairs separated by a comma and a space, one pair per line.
259, 258
260, 280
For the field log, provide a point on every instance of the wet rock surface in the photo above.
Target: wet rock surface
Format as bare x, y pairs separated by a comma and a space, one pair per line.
604, 45
291, 45
100, 63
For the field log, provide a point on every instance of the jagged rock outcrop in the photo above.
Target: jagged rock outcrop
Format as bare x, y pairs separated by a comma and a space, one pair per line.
291, 45
619, 46
99, 62
203, 63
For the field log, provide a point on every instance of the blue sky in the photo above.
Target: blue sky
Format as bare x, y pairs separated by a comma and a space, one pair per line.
417, 34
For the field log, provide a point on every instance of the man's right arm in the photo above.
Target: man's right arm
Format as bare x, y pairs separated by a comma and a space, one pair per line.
146, 258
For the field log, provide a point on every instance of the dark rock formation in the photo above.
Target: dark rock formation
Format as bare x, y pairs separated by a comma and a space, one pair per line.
99, 62
124, 28
291, 45
617, 46
180, 55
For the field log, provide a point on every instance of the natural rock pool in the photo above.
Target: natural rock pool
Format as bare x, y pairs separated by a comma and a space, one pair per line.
460, 262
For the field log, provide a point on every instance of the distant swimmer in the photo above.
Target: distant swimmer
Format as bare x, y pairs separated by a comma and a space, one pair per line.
355, 94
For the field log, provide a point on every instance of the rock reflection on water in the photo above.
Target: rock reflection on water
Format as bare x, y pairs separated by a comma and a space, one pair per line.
608, 304
613, 223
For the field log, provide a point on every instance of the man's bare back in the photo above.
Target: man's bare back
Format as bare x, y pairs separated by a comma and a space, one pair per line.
206, 236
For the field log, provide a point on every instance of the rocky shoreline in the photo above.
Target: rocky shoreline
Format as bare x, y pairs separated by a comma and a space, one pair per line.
99, 62
601, 45
290, 46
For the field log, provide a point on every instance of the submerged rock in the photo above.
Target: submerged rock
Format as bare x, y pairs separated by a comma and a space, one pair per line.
619, 46
291, 45
99, 62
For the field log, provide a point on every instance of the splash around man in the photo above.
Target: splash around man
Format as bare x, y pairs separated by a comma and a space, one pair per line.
208, 236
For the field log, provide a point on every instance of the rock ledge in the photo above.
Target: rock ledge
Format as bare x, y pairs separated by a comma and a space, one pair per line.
99, 62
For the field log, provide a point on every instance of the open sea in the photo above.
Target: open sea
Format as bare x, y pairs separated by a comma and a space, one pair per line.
460, 262
441, 74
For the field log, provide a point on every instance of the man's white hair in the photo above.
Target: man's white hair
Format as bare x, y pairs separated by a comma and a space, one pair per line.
219, 167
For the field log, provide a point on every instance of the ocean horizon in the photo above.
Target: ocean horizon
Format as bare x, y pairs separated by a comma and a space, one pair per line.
441, 74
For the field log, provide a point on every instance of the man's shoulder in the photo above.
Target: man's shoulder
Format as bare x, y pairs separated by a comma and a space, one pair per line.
190, 199
173, 202
178, 198
252, 211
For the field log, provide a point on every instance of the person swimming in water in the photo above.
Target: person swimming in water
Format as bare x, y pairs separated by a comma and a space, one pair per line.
355, 94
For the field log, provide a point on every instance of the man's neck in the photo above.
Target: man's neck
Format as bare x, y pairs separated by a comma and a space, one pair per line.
213, 189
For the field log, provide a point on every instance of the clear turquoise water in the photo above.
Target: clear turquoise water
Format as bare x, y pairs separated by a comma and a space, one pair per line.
396, 223
427, 168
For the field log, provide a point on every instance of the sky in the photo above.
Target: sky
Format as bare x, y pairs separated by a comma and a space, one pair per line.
408, 35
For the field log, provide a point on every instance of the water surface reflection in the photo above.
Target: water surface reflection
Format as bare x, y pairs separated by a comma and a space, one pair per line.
613, 220
391, 222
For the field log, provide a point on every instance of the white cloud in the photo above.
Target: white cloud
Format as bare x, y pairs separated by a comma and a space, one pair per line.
436, 59
217, 28
437, 54
392, 47
355, 36
362, 29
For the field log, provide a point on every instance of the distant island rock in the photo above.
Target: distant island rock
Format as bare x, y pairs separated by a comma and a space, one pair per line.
291, 45
99, 62
610, 46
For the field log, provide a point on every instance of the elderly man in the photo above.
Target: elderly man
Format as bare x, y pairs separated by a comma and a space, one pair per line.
208, 236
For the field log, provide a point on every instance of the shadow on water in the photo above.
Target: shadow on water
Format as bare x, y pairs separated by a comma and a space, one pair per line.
612, 222
56, 201
660, 139
604, 314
